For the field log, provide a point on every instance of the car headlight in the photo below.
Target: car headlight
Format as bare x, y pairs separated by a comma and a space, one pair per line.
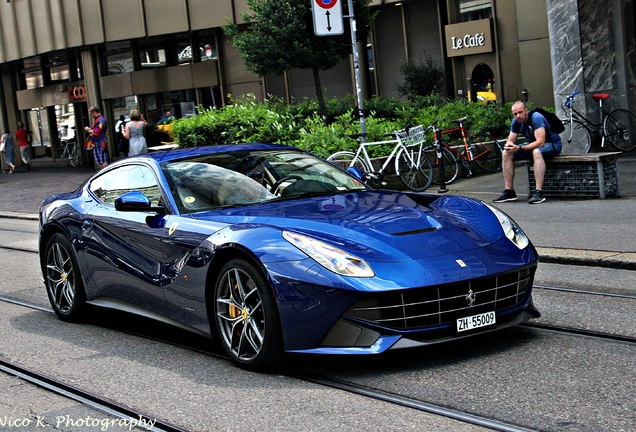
329, 257
514, 233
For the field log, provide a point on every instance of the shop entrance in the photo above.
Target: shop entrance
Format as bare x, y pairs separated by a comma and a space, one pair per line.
483, 83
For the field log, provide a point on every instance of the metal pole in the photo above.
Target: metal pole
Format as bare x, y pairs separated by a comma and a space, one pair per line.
439, 153
356, 67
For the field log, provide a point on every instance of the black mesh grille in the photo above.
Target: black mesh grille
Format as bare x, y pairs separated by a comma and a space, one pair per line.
438, 305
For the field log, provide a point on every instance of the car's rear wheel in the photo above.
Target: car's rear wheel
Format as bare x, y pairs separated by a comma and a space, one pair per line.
246, 316
63, 281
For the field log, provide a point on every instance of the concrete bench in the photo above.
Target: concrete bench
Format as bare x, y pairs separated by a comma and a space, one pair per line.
579, 176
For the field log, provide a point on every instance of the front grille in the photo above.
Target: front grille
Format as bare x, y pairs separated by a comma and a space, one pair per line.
442, 304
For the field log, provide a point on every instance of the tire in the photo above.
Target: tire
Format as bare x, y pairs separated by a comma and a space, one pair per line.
246, 317
417, 178
63, 280
343, 160
451, 167
61, 156
577, 140
620, 129
486, 152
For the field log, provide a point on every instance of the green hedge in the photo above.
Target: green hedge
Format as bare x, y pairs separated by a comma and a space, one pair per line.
299, 124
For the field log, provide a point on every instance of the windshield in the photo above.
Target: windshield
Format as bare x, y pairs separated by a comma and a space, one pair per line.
251, 177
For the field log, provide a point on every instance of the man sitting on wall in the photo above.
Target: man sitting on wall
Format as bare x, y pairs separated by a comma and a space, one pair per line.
541, 143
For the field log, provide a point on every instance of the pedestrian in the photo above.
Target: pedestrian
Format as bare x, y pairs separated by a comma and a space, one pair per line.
25, 147
6, 144
98, 136
122, 142
134, 133
541, 143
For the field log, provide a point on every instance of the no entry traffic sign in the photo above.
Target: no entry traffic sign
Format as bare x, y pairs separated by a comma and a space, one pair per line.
327, 17
327, 4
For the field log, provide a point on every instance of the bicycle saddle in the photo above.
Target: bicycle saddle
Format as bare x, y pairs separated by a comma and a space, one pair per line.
598, 96
459, 120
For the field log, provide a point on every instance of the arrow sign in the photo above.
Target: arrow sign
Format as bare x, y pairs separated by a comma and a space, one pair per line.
327, 17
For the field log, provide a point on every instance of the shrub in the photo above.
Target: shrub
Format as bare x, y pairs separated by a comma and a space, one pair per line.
420, 79
300, 124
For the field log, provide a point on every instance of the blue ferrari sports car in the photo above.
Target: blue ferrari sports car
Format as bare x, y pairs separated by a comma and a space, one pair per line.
273, 250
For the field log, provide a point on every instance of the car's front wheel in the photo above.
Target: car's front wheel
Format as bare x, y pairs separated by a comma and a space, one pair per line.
63, 281
246, 316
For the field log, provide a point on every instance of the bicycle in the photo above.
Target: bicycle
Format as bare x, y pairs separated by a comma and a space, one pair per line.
479, 149
67, 153
411, 164
618, 127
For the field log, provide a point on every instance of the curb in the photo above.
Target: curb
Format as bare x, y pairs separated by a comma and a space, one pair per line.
23, 216
589, 258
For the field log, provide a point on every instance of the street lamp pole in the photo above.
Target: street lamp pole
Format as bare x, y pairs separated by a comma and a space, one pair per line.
356, 67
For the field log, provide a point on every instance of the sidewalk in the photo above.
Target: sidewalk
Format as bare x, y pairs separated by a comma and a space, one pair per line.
584, 232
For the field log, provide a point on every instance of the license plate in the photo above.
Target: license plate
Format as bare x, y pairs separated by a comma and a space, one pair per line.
475, 321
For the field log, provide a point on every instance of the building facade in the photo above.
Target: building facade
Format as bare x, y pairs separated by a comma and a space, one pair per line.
58, 57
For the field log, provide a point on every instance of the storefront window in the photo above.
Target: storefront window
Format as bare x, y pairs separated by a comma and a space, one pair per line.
33, 73
57, 66
119, 58
123, 106
207, 47
162, 109
60, 73
65, 116
152, 57
472, 10
184, 52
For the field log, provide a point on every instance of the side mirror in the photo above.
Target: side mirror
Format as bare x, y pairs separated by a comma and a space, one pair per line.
135, 201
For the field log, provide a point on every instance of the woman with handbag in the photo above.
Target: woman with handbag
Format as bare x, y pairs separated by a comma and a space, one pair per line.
134, 133
6, 146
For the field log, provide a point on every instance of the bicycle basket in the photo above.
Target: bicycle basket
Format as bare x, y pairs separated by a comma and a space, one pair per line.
411, 136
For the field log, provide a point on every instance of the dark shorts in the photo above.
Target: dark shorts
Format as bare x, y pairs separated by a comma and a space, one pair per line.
547, 151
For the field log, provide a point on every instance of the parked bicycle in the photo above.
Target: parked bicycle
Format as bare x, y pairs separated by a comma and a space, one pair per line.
67, 153
480, 149
411, 164
616, 127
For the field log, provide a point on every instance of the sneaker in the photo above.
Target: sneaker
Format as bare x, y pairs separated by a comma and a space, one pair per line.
536, 198
506, 195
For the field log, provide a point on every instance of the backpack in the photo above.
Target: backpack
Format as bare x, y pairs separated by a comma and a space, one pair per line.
556, 125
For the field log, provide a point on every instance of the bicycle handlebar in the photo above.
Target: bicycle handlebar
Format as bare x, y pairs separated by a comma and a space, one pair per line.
569, 100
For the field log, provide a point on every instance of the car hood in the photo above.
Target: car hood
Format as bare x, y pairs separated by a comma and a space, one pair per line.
379, 225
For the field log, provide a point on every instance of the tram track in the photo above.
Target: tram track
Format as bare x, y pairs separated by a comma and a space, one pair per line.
581, 291
121, 412
123, 415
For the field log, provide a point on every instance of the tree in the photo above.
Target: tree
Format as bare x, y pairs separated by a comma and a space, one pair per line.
281, 37
420, 78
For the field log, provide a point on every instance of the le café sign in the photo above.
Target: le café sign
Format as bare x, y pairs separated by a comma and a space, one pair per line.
473, 37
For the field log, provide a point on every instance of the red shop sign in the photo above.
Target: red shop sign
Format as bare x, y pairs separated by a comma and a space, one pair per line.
77, 93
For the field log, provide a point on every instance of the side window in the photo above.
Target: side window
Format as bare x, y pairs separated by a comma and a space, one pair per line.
113, 183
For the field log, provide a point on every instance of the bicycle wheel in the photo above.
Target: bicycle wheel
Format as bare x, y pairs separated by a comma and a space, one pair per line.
344, 159
576, 139
61, 156
74, 156
414, 168
451, 167
619, 128
486, 152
